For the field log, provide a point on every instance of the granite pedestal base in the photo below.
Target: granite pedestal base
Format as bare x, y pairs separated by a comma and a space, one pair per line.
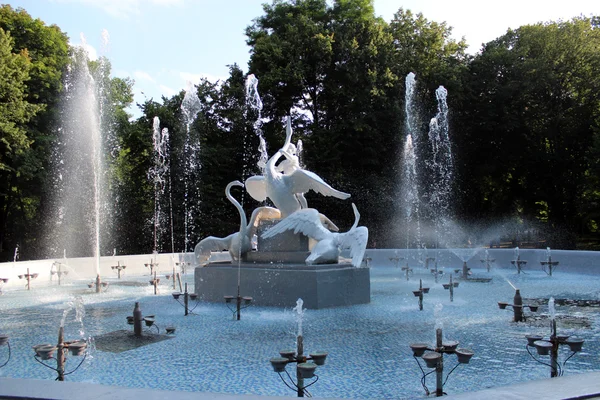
319, 286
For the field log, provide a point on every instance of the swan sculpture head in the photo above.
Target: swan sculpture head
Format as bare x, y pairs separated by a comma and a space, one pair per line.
285, 185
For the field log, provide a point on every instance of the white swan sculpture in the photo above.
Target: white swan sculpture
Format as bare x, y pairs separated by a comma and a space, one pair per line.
238, 243
329, 244
285, 185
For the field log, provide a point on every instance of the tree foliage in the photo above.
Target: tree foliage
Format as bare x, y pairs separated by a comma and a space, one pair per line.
524, 122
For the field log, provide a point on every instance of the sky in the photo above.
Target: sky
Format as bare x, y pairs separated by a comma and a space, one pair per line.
166, 44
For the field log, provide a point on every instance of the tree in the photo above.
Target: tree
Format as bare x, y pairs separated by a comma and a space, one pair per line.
535, 105
15, 113
23, 189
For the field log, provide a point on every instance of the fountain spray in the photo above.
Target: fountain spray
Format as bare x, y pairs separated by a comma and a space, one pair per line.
190, 106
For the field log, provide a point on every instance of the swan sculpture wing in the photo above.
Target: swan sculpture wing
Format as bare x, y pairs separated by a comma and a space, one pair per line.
209, 244
327, 223
307, 221
256, 186
301, 181
355, 240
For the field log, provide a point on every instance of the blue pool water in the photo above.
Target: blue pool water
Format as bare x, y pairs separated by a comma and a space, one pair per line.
368, 345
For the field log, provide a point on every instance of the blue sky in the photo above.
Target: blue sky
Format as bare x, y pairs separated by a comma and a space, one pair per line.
163, 44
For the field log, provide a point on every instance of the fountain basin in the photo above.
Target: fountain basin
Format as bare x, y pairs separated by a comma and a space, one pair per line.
278, 363
542, 347
319, 357
531, 339
77, 348
562, 338
432, 359
418, 349
288, 354
44, 351
575, 344
307, 370
450, 345
464, 355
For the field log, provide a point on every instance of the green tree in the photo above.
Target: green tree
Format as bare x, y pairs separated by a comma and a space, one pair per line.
535, 105
15, 143
334, 66
23, 191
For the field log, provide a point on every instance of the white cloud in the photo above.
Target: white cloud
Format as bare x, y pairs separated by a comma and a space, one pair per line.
143, 76
167, 91
195, 78
124, 8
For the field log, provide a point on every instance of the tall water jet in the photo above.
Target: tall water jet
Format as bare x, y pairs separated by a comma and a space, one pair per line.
190, 106
441, 166
254, 102
409, 178
78, 192
159, 175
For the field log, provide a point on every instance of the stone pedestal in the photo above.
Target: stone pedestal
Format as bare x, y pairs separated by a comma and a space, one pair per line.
320, 286
277, 275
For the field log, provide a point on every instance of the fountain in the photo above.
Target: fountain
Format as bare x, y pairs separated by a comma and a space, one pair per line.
159, 175
465, 254
377, 333
548, 263
435, 359
153, 264
435, 271
517, 262
487, 261
44, 352
254, 102
407, 270
28, 277
304, 368
441, 167
419, 293
396, 258
190, 107
450, 287
348, 329
517, 306
551, 346
81, 202
58, 270
186, 300
118, 268
410, 178
283, 257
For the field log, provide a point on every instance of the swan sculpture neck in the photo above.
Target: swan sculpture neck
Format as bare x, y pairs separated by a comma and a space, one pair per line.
243, 222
